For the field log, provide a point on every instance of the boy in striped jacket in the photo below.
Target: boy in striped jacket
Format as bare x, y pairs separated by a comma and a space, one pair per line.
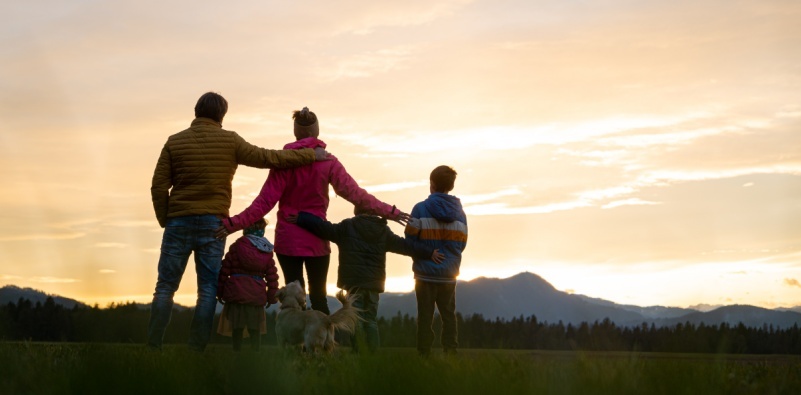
440, 222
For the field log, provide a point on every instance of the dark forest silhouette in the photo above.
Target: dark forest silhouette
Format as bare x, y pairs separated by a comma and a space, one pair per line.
127, 323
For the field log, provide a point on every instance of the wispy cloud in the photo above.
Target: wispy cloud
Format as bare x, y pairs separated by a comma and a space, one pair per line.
365, 64
7, 277
110, 245
473, 199
53, 280
392, 187
374, 15
44, 236
515, 136
132, 224
106, 271
505, 209
792, 282
628, 202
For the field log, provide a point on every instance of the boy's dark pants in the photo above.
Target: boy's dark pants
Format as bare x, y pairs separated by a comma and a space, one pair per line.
443, 295
367, 301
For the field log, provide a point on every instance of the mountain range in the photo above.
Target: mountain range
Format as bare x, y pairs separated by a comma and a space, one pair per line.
527, 294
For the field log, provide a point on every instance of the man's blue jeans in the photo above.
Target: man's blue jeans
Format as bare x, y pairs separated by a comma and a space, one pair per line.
182, 236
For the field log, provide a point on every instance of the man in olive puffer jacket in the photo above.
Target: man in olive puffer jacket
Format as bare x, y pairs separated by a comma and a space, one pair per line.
191, 191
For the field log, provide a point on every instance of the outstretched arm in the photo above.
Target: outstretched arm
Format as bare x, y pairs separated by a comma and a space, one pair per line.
318, 226
412, 248
263, 158
345, 186
269, 196
271, 278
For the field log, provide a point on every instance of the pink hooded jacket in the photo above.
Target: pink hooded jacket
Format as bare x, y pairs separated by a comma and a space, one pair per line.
305, 189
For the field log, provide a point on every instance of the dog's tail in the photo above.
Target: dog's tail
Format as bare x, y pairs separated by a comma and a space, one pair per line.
346, 318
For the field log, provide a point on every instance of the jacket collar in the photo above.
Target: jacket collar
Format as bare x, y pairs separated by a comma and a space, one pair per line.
205, 122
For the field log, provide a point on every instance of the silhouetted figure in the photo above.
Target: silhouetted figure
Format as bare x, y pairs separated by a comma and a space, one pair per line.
439, 222
306, 188
191, 191
248, 282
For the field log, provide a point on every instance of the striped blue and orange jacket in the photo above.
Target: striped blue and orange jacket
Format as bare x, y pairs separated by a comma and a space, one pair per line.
440, 222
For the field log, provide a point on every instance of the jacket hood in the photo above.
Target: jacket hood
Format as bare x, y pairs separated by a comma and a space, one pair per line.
444, 207
308, 142
370, 228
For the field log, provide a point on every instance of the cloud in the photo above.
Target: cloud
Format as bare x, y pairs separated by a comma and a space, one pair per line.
365, 64
392, 187
7, 277
791, 282
473, 199
505, 137
373, 15
110, 245
505, 209
106, 271
628, 202
53, 280
44, 236
132, 224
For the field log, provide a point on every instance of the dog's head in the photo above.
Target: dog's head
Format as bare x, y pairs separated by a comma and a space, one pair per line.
292, 296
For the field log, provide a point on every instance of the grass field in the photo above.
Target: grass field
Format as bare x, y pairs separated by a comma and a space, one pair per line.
59, 368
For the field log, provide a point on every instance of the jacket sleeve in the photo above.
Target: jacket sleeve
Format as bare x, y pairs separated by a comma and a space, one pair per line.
269, 196
271, 277
250, 155
318, 226
160, 186
345, 186
225, 270
414, 226
408, 247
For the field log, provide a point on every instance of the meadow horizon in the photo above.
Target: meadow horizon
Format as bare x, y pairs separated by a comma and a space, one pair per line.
645, 154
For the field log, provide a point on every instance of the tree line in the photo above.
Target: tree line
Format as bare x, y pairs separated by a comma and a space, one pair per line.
127, 323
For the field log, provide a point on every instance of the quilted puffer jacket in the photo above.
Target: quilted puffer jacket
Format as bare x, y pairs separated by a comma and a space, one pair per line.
196, 166
248, 275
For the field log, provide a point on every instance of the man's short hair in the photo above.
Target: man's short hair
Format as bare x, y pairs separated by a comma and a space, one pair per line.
442, 178
211, 105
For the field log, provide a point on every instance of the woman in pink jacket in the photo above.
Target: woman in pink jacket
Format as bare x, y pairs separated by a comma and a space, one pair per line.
306, 189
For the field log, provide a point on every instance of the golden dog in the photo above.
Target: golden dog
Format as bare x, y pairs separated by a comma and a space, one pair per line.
310, 328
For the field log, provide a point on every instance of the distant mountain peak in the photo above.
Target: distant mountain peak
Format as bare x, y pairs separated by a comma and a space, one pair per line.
12, 293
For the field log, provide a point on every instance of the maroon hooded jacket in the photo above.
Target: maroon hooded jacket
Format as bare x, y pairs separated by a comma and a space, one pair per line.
248, 275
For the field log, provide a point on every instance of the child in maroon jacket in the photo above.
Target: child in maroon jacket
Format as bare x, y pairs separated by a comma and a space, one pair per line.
248, 281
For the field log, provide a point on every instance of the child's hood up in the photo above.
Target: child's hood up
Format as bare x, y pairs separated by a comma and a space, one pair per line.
444, 207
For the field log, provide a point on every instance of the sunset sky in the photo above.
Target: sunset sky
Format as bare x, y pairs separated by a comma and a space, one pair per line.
643, 152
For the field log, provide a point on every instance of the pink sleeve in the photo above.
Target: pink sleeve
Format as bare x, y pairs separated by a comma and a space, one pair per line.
345, 186
271, 277
270, 193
